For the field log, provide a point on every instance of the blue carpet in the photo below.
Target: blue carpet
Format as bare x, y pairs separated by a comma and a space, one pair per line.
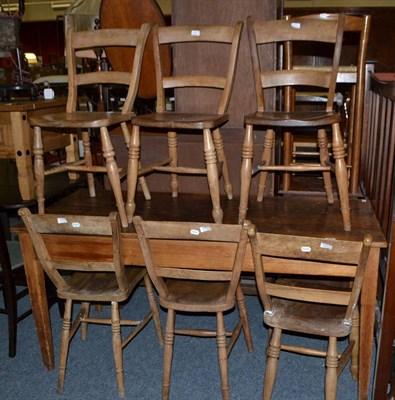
195, 373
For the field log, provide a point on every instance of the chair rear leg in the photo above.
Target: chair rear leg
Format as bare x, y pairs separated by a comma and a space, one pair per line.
272, 356
85, 314
212, 175
88, 162
219, 146
266, 160
38, 151
117, 347
222, 355
324, 160
113, 175
354, 336
154, 308
332, 362
172, 144
64, 345
244, 317
168, 353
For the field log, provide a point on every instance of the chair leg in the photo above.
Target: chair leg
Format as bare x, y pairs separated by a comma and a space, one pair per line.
113, 175
154, 308
172, 144
117, 347
133, 172
168, 353
272, 356
84, 325
38, 151
246, 173
341, 175
332, 362
10, 302
266, 160
324, 160
88, 162
219, 146
64, 345
212, 175
244, 317
222, 355
287, 159
354, 337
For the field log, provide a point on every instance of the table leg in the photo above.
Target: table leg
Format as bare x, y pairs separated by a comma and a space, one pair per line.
38, 297
368, 304
21, 136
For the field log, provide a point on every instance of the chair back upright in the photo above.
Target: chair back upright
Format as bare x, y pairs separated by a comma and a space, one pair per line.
283, 32
92, 43
178, 36
190, 260
321, 258
55, 260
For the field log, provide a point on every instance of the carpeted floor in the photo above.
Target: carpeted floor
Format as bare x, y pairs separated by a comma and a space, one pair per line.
195, 373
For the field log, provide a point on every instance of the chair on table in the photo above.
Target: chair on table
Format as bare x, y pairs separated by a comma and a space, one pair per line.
195, 286
102, 279
351, 71
83, 44
279, 32
205, 75
306, 309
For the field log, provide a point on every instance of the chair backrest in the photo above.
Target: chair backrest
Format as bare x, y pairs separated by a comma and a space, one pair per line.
183, 240
282, 32
180, 36
88, 43
313, 257
41, 226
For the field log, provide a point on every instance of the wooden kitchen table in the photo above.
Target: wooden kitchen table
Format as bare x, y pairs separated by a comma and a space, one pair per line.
292, 215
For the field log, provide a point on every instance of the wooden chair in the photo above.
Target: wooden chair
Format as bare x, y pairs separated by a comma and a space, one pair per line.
278, 32
186, 286
188, 121
12, 274
81, 44
102, 279
352, 70
306, 309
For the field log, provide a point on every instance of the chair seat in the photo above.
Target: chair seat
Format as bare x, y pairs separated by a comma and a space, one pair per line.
197, 296
90, 286
293, 119
80, 119
173, 120
317, 319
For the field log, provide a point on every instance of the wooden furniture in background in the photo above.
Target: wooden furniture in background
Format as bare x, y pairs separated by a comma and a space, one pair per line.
306, 309
274, 215
280, 32
356, 30
183, 288
16, 136
77, 45
377, 180
226, 40
88, 279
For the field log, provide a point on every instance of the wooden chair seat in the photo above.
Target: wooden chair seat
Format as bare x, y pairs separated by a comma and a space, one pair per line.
191, 289
200, 118
103, 279
293, 119
205, 296
172, 120
280, 82
81, 124
81, 119
100, 286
